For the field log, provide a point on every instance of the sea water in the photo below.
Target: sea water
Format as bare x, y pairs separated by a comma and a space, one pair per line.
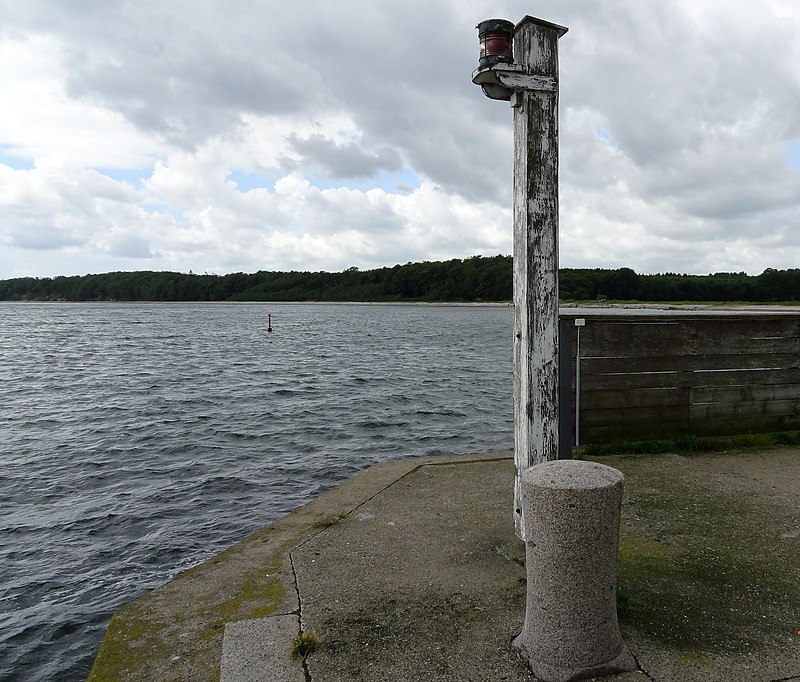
137, 440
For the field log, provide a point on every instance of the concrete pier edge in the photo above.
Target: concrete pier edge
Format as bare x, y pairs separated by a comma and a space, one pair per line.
409, 570
151, 638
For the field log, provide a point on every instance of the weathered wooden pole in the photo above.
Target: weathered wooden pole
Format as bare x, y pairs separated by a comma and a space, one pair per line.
530, 81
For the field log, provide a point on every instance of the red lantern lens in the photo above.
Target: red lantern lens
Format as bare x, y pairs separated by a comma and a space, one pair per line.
496, 44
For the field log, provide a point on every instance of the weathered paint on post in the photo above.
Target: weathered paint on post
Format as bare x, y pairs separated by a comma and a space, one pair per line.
535, 254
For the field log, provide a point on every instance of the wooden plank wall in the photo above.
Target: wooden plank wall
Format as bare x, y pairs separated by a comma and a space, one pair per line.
662, 377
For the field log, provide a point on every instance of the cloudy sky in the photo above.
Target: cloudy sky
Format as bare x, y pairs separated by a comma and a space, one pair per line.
253, 135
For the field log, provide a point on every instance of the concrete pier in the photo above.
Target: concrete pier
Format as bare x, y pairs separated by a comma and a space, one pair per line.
411, 571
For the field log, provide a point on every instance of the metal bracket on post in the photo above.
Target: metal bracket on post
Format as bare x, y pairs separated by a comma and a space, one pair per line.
502, 81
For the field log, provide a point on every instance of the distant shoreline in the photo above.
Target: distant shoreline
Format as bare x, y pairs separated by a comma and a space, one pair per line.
609, 306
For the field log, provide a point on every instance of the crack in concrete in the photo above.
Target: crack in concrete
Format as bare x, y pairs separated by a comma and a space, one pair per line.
299, 610
786, 679
641, 667
306, 671
299, 613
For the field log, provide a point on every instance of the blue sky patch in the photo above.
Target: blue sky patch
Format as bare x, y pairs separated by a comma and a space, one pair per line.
602, 135
793, 154
12, 160
177, 213
404, 182
133, 176
246, 181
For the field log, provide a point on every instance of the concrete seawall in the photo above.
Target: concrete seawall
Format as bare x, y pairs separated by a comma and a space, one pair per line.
411, 570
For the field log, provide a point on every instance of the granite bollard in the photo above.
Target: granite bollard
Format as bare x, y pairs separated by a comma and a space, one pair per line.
572, 512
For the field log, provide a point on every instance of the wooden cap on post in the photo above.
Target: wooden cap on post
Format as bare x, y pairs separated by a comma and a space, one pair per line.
527, 19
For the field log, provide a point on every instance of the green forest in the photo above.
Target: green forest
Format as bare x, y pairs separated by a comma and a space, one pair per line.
476, 279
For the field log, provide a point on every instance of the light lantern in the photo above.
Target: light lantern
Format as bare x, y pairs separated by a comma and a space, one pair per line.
496, 37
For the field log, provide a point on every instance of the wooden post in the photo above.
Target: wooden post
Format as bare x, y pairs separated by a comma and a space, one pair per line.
530, 82
535, 254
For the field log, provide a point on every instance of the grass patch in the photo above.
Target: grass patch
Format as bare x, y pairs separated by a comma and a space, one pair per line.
328, 521
590, 302
688, 444
304, 644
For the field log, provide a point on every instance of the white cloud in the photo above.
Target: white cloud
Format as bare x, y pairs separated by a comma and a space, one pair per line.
39, 120
320, 136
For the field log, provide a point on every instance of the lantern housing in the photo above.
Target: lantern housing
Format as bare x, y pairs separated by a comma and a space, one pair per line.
496, 37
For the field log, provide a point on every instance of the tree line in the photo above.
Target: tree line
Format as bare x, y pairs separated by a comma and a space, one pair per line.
476, 279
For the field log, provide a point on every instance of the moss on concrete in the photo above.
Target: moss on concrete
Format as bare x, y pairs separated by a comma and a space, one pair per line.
175, 632
702, 572
131, 636
259, 594
397, 629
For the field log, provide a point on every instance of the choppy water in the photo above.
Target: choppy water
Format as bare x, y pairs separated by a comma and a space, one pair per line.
138, 439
